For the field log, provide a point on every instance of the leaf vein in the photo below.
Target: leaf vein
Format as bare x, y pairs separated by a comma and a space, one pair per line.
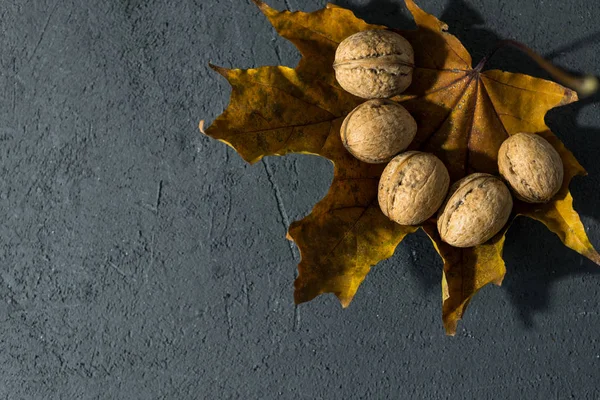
351, 228
295, 97
561, 95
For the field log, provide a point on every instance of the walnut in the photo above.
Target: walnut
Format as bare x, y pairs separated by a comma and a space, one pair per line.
478, 206
531, 166
412, 187
374, 64
377, 130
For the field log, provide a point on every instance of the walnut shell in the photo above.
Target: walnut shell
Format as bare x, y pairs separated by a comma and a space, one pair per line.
412, 187
478, 206
374, 64
377, 130
531, 166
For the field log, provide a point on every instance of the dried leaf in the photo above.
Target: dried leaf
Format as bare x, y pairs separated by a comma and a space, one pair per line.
277, 110
463, 115
466, 270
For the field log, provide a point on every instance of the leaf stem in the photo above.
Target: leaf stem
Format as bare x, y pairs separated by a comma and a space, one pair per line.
583, 85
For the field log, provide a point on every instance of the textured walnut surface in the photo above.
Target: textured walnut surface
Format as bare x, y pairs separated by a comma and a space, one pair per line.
377, 130
412, 187
531, 166
374, 64
478, 206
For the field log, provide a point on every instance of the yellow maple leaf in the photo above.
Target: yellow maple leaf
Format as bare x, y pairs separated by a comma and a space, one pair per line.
463, 115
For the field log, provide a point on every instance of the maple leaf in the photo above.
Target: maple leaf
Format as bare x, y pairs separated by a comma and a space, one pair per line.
463, 116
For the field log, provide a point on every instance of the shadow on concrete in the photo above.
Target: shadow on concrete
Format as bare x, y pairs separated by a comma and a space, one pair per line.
580, 43
391, 13
534, 256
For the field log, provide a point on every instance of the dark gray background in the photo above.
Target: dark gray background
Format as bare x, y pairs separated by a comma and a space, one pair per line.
141, 260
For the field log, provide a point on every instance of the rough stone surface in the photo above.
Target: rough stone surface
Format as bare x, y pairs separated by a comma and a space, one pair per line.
140, 260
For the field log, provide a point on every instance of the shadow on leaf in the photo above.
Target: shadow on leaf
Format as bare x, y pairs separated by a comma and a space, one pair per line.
535, 257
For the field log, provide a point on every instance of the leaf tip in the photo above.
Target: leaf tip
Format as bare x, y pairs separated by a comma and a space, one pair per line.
201, 127
570, 96
412, 7
289, 237
424, 19
410, 4
593, 255
221, 70
450, 326
344, 301
498, 281
264, 7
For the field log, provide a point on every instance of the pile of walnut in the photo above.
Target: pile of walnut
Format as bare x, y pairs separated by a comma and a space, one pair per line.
377, 65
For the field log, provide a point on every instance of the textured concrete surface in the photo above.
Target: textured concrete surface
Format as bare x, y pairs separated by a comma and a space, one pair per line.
140, 260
